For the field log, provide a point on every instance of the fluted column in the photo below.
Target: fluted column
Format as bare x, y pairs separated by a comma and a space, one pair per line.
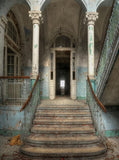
36, 17
91, 18
3, 23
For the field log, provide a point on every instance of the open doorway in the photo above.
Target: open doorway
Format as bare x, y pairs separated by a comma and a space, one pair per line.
63, 73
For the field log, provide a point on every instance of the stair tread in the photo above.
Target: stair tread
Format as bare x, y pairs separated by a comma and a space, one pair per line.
63, 107
97, 149
38, 138
63, 120
82, 128
64, 111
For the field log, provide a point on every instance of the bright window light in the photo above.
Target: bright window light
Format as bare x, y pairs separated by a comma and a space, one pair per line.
62, 83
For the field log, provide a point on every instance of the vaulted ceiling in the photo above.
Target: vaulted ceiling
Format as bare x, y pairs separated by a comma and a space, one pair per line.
68, 17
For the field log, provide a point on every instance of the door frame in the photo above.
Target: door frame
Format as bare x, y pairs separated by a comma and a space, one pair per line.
52, 82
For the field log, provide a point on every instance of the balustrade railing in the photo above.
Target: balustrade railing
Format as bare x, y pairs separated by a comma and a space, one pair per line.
108, 54
97, 110
30, 105
14, 90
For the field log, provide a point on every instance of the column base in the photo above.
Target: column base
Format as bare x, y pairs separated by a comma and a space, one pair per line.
33, 79
34, 76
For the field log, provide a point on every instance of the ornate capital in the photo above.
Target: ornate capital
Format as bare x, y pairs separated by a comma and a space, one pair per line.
3, 22
91, 17
36, 16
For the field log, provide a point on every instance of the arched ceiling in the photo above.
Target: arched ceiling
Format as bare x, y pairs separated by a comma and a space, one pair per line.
69, 17
62, 16
89, 5
5, 6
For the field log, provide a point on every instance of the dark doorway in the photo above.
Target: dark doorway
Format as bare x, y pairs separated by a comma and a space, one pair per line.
63, 73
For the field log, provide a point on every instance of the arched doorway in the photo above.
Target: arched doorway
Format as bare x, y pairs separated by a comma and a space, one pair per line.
62, 68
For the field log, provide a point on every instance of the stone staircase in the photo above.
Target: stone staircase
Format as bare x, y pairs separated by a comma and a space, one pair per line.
63, 128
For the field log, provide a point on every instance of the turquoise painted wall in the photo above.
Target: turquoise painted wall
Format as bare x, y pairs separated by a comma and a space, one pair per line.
11, 120
111, 121
81, 82
27, 71
44, 82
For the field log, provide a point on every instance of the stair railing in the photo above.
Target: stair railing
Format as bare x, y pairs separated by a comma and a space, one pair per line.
105, 34
98, 110
109, 52
30, 96
14, 90
30, 105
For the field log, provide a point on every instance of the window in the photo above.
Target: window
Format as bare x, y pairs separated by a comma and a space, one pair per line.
51, 66
73, 66
63, 41
62, 84
12, 47
10, 65
12, 32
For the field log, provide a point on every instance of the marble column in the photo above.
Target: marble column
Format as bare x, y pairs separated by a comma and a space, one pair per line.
3, 22
91, 18
36, 17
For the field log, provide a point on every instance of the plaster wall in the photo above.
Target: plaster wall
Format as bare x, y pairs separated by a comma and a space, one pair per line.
110, 121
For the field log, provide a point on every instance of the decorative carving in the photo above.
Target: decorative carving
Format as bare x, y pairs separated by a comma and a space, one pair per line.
91, 17
3, 22
36, 16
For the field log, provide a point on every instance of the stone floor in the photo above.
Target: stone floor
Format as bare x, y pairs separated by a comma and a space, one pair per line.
8, 152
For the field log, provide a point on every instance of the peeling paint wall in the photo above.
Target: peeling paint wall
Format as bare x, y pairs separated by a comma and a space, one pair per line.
11, 120
81, 82
111, 121
44, 82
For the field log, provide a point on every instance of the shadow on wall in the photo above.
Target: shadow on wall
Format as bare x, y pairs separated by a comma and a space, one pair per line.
111, 121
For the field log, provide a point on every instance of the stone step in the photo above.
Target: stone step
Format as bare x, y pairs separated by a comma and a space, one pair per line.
62, 115
63, 152
57, 140
59, 117
62, 112
80, 112
61, 102
56, 107
62, 125
62, 121
63, 130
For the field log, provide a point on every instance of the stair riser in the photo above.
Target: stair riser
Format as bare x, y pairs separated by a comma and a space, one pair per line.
64, 155
64, 135
62, 118
54, 127
73, 112
65, 144
61, 123
62, 108
91, 132
62, 115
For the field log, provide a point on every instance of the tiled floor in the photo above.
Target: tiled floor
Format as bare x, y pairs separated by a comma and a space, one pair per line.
8, 152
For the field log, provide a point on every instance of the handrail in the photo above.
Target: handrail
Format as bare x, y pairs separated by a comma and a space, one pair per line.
29, 98
105, 36
97, 100
14, 77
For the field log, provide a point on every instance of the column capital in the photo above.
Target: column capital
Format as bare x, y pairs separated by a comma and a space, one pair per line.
3, 22
36, 16
91, 17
